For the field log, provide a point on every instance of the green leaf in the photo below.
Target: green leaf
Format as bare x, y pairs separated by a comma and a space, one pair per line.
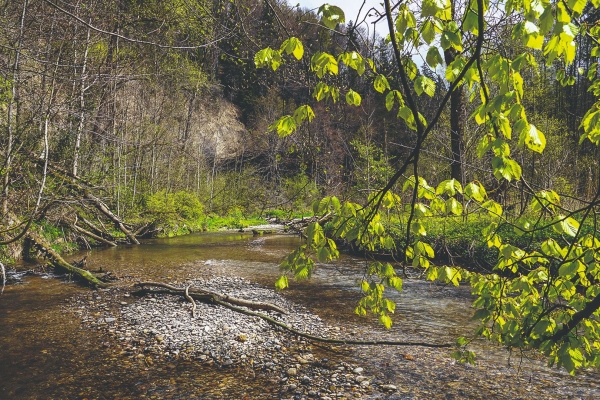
451, 39
381, 84
322, 63
396, 282
562, 15
353, 98
331, 15
268, 57
385, 321
303, 113
353, 60
449, 187
533, 138
577, 5
405, 19
568, 270
481, 314
418, 229
389, 101
293, 46
494, 208
471, 23
506, 168
323, 254
281, 283
436, 8
455, 68
428, 31
454, 206
425, 85
568, 226
284, 126
407, 115
434, 58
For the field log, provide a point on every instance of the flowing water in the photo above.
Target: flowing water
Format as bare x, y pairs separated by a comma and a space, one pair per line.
44, 352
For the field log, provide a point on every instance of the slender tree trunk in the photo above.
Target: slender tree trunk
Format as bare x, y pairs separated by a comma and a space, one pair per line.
457, 121
82, 90
10, 113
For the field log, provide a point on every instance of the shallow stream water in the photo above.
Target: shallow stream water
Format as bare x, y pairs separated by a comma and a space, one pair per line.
45, 353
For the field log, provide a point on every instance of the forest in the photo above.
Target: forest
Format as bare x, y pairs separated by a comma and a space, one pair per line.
462, 146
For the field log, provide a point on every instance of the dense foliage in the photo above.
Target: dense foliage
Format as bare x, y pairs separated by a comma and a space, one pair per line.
542, 294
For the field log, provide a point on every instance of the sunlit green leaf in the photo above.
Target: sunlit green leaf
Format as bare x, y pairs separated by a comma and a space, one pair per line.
425, 85
331, 15
281, 283
293, 46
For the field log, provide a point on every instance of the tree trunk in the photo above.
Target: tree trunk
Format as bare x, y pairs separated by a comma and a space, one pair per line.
10, 109
457, 122
82, 90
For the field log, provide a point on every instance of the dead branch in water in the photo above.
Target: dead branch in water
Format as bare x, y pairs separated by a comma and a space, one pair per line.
56, 260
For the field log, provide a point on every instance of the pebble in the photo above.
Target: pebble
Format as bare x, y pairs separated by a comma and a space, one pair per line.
357, 370
292, 372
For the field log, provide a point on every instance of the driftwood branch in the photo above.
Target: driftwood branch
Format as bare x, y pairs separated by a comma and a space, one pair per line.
333, 341
212, 297
218, 299
56, 260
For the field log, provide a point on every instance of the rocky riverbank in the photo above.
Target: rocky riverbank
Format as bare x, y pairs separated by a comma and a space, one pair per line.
160, 329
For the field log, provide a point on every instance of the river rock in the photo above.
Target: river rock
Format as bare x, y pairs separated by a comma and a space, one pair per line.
292, 372
389, 388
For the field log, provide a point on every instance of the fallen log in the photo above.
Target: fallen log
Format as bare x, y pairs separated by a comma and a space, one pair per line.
59, 262
211, 297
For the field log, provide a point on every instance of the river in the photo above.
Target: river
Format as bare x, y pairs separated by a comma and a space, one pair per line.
46, 353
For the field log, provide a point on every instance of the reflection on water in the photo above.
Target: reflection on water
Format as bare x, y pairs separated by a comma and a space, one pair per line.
45, 353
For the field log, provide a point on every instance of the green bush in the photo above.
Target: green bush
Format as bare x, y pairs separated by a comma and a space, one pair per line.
176, 213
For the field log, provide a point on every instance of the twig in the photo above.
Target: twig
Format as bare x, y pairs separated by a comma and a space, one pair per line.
191, 300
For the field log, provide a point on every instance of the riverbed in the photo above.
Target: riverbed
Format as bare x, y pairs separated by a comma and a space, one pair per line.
58, 340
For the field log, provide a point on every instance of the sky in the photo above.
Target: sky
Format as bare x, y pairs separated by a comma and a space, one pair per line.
350, 8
